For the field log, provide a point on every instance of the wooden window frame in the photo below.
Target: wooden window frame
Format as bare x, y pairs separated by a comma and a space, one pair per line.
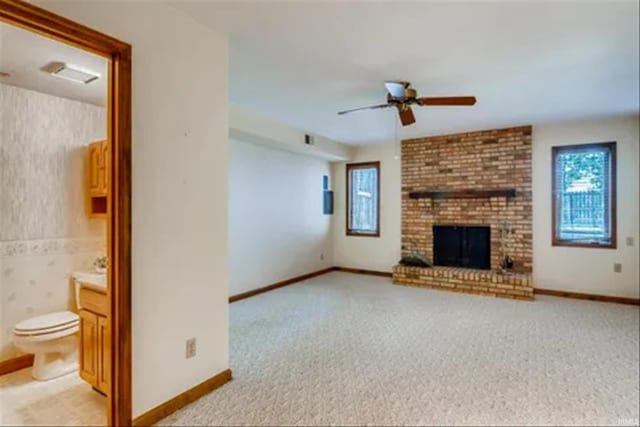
557, 150
45, 23
349, 168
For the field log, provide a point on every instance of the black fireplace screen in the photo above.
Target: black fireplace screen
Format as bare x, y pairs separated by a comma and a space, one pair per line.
461, 246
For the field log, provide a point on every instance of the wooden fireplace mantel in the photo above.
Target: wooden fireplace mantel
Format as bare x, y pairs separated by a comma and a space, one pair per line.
463, 194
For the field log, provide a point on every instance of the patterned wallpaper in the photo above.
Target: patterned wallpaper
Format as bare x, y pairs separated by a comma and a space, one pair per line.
45, 233
42, 161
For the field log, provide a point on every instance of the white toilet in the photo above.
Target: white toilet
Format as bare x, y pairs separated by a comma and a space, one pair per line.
53, 339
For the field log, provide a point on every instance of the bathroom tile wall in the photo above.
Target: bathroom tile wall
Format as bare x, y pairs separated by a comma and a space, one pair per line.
36, 279
45, 233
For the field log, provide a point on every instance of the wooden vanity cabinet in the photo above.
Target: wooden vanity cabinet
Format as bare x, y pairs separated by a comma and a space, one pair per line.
94, 343
88, 347
104, 355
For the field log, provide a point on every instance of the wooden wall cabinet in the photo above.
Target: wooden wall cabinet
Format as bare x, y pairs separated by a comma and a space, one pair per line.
97, 178
94, 344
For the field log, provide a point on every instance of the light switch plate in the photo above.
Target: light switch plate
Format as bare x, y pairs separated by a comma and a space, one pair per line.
617, 267
191, 348
629, 241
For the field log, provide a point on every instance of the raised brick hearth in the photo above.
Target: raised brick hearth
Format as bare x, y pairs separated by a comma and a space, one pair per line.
476, 165
480, 282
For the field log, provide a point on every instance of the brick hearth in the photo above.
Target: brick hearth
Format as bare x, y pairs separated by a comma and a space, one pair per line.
479, 282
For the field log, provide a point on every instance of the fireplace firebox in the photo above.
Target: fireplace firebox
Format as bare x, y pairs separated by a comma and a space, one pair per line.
462, 246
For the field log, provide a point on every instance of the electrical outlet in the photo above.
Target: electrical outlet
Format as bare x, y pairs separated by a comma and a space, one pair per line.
629, 241
191, 348
321, 257
617, 267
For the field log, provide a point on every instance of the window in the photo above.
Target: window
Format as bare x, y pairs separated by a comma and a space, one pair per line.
363, 199
584, 195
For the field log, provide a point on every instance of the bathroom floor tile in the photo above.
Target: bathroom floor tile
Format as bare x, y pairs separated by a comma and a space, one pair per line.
63, 401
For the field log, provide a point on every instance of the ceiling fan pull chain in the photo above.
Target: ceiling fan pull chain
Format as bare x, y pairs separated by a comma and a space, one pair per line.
396, 140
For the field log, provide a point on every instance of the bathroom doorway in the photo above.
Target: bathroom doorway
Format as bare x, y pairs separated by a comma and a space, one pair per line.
107, 186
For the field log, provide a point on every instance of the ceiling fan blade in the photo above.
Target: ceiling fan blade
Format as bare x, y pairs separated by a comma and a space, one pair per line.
396, 89
447, 100
406, 116
373, 107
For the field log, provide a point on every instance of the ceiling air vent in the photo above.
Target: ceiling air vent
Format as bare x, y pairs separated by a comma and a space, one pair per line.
70, 72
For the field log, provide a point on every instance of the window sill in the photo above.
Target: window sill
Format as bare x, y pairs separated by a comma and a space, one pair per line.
357, 234
578, 244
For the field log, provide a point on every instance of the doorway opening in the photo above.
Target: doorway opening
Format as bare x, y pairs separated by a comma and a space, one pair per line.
112, 201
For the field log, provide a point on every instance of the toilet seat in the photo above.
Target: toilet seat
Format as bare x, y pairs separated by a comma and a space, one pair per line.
48, 326
53, 340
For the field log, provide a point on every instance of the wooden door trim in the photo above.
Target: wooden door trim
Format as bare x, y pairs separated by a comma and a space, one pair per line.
43, 22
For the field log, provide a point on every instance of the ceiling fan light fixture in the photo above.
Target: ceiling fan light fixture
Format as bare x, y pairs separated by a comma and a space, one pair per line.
401, 95
70, 72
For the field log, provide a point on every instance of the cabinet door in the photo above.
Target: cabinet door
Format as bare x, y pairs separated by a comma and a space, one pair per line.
104, 167
104, 355
94, 168
88, 346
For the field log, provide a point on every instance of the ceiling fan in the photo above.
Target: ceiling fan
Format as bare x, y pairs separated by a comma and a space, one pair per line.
402, 96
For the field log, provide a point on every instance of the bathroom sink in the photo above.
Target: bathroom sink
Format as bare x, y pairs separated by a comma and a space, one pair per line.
91, 278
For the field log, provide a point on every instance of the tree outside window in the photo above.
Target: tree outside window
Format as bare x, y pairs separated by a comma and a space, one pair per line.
584, 195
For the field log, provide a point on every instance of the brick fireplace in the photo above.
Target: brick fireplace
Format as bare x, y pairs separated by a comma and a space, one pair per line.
478, 180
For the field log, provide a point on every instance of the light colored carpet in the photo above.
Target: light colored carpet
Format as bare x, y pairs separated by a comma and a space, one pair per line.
351, 349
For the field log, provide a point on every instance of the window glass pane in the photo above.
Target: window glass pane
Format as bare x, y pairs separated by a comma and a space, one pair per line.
363, 200
583, 211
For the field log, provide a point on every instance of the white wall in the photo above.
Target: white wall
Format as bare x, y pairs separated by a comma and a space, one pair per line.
561, 268
180, 192
252, 127
371, 253
276, 226
585, 269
